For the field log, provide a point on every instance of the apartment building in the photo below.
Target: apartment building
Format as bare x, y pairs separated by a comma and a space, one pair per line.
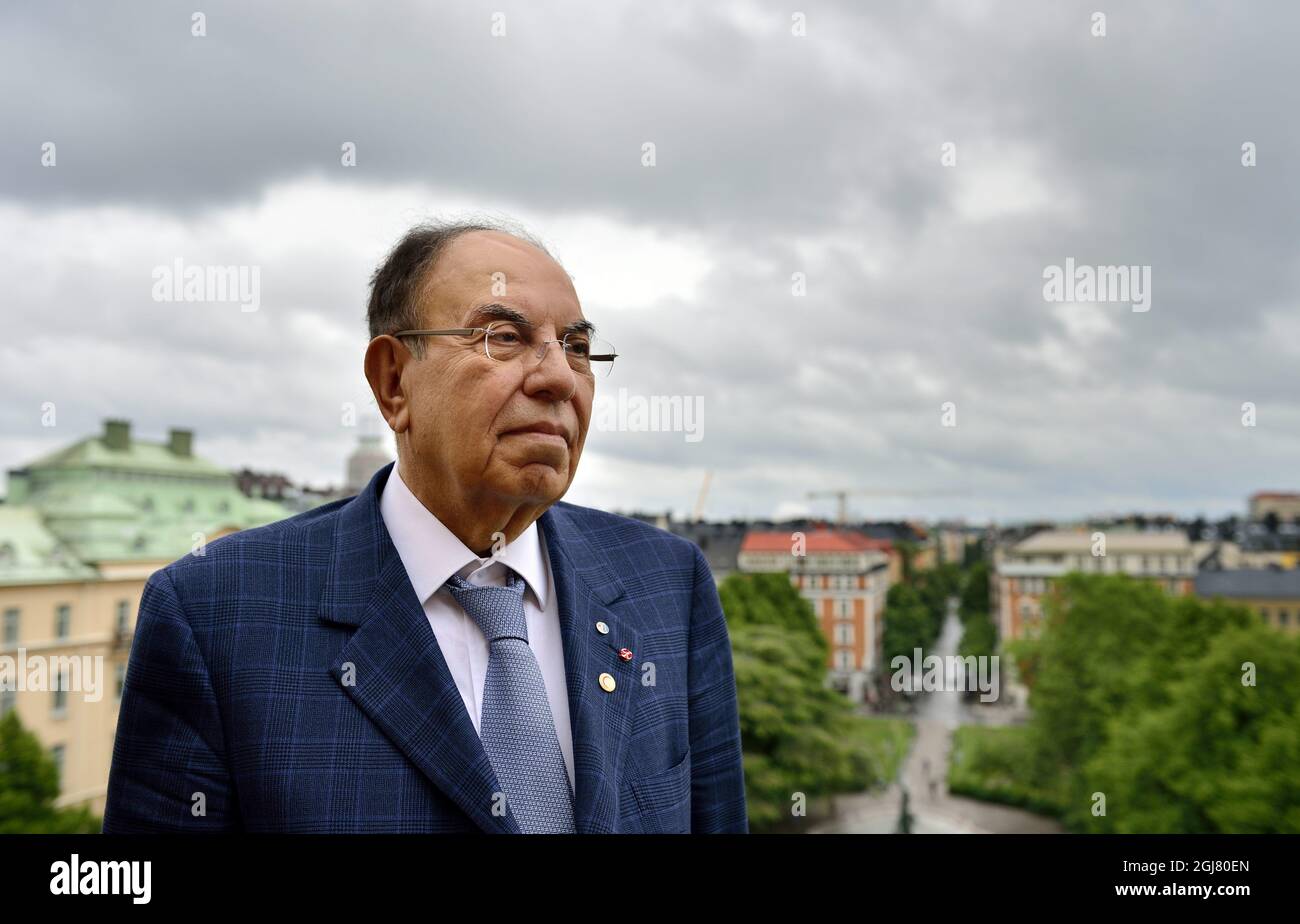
81, 531
845, 576
1272, 593
1285, 505
1024, 573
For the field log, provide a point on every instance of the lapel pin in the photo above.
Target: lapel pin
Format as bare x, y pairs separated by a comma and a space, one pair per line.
602, 628
625, 654
607, 683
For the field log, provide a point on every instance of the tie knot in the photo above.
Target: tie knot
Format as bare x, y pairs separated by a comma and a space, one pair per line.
498, 611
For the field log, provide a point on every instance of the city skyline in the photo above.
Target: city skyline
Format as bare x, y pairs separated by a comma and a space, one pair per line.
915, 172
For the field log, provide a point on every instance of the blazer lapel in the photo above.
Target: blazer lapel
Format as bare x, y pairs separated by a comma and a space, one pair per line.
585, 588
392, 667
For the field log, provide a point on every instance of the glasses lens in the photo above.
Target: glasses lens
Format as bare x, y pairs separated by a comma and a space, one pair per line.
590, 355
504, 342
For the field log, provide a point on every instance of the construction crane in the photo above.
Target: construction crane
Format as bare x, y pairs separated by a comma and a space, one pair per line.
843, 497
704, 492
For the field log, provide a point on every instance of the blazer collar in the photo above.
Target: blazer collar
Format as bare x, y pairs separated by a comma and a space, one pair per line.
393, 669
431, 552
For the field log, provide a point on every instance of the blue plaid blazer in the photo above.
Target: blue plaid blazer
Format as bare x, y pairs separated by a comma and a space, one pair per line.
288, 680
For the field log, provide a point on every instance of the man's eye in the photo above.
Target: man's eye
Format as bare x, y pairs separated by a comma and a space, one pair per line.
506, 337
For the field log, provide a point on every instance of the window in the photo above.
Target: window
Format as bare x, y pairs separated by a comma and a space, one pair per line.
844, 633
119, 681
1283, 618
11, 626
843, 606
123, 616
7, 699
845, 659
63, 621
61, 685
56, 752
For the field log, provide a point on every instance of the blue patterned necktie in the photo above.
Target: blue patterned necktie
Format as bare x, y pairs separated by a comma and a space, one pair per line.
516, 726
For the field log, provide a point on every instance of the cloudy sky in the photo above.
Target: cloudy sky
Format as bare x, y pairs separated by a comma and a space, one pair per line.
775, 154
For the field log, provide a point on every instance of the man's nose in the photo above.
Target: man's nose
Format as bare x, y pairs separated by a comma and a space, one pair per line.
552, 372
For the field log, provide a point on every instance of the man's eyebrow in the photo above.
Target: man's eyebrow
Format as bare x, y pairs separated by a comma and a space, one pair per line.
579, 327
499, 312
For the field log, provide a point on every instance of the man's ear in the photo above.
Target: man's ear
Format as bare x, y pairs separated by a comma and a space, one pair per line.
385, 360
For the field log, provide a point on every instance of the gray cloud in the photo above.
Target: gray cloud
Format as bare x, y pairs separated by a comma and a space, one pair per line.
777, 154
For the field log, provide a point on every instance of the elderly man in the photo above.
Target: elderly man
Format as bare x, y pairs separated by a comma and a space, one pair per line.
453, 649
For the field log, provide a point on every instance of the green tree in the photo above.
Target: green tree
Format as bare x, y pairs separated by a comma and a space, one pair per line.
1138, 696
29, 784
798, 735
979, 638
908, 625
975, 591
1219, 756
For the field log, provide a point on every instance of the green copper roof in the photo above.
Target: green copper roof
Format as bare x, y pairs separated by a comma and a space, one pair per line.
31, 554
144, 501
141, 456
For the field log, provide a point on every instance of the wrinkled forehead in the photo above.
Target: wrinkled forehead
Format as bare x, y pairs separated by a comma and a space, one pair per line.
483, 267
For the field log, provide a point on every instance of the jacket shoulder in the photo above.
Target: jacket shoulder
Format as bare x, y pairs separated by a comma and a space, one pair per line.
295, 539
604, 530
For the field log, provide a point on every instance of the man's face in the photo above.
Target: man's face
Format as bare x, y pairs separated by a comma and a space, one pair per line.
476, 424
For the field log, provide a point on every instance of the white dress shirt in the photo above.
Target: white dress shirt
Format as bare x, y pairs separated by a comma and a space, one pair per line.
431, 553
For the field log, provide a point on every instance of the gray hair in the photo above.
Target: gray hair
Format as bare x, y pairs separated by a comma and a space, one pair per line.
396, 284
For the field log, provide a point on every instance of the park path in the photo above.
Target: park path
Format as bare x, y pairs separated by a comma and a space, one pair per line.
934, 810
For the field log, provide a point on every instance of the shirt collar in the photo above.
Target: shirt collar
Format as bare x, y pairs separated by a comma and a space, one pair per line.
431, 552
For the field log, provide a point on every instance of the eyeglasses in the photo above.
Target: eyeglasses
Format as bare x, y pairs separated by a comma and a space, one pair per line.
504, 342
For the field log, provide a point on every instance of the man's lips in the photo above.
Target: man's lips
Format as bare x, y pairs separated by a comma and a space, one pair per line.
543, 431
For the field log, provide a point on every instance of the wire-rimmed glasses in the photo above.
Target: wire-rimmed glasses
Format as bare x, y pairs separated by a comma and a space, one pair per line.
504, 341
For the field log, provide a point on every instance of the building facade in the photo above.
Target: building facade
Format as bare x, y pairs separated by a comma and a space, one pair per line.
1023, 575
1285, 505
1272, 593
845, 576
81, 531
